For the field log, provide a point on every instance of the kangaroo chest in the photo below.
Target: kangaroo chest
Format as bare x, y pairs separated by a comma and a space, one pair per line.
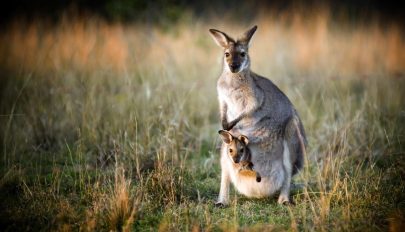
237, 100
237, 96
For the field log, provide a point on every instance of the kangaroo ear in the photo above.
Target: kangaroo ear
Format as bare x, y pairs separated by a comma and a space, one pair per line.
220, 38
244, 139
225, 136
247, 36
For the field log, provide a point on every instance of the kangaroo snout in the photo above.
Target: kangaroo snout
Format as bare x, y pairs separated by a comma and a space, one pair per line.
234, 67
236, 160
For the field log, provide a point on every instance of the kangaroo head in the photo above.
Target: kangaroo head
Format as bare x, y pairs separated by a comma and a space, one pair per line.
236, 147
236, 58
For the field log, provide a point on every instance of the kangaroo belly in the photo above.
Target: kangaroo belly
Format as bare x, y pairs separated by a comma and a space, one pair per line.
271, 181
251, 188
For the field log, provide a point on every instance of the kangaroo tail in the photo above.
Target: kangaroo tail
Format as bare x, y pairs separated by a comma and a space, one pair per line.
296, 140
302, 143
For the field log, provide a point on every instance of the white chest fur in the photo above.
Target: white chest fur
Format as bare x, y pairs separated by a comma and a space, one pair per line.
238, 97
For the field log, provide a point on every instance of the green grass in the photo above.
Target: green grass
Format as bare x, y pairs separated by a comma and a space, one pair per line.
133, 145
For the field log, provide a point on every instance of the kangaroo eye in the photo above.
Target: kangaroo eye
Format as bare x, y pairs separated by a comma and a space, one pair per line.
227, 54
241, 150
230, 150
243, 54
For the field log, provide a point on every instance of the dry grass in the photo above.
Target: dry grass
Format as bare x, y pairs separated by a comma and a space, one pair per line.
113, 127
306, 43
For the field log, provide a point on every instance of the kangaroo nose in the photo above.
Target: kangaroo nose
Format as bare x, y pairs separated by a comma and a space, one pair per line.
235, 65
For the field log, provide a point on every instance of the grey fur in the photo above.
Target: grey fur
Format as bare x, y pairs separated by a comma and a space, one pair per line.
253, 106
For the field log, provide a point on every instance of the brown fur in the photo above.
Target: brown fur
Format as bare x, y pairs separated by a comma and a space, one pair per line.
239, 153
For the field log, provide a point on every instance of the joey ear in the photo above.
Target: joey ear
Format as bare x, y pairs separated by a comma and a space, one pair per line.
244, 139
247, 36
225, 136
220, 38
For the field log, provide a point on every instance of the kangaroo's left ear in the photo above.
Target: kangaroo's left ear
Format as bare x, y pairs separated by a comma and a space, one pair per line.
221, 38
247, 36
225, 136
244, 139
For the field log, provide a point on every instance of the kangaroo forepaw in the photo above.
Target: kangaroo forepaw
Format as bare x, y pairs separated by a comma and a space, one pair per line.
226, 126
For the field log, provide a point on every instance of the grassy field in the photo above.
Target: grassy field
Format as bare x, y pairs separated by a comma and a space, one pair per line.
106, 126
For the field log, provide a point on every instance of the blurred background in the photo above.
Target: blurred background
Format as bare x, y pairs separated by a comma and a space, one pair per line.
344, 37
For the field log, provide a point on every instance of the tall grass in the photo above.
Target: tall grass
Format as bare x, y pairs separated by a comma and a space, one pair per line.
109, 126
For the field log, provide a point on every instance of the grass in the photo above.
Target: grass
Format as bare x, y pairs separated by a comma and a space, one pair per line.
113, 127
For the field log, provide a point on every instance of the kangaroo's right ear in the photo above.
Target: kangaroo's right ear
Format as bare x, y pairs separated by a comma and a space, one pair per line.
244, 139
220, 38
247, 36
225, 136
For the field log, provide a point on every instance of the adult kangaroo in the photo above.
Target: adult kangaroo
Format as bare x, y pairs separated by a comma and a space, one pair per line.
253, 106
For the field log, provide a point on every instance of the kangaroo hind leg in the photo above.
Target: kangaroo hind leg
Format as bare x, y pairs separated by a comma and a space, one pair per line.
285, 188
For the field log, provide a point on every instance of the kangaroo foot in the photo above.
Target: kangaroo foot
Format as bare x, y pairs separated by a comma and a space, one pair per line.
284, 200
219, 204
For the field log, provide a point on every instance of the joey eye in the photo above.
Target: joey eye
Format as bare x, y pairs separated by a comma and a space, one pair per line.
227, 54
241, 150
243, 54
230, 150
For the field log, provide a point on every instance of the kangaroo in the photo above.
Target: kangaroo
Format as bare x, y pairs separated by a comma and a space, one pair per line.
253, 106
238, 155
